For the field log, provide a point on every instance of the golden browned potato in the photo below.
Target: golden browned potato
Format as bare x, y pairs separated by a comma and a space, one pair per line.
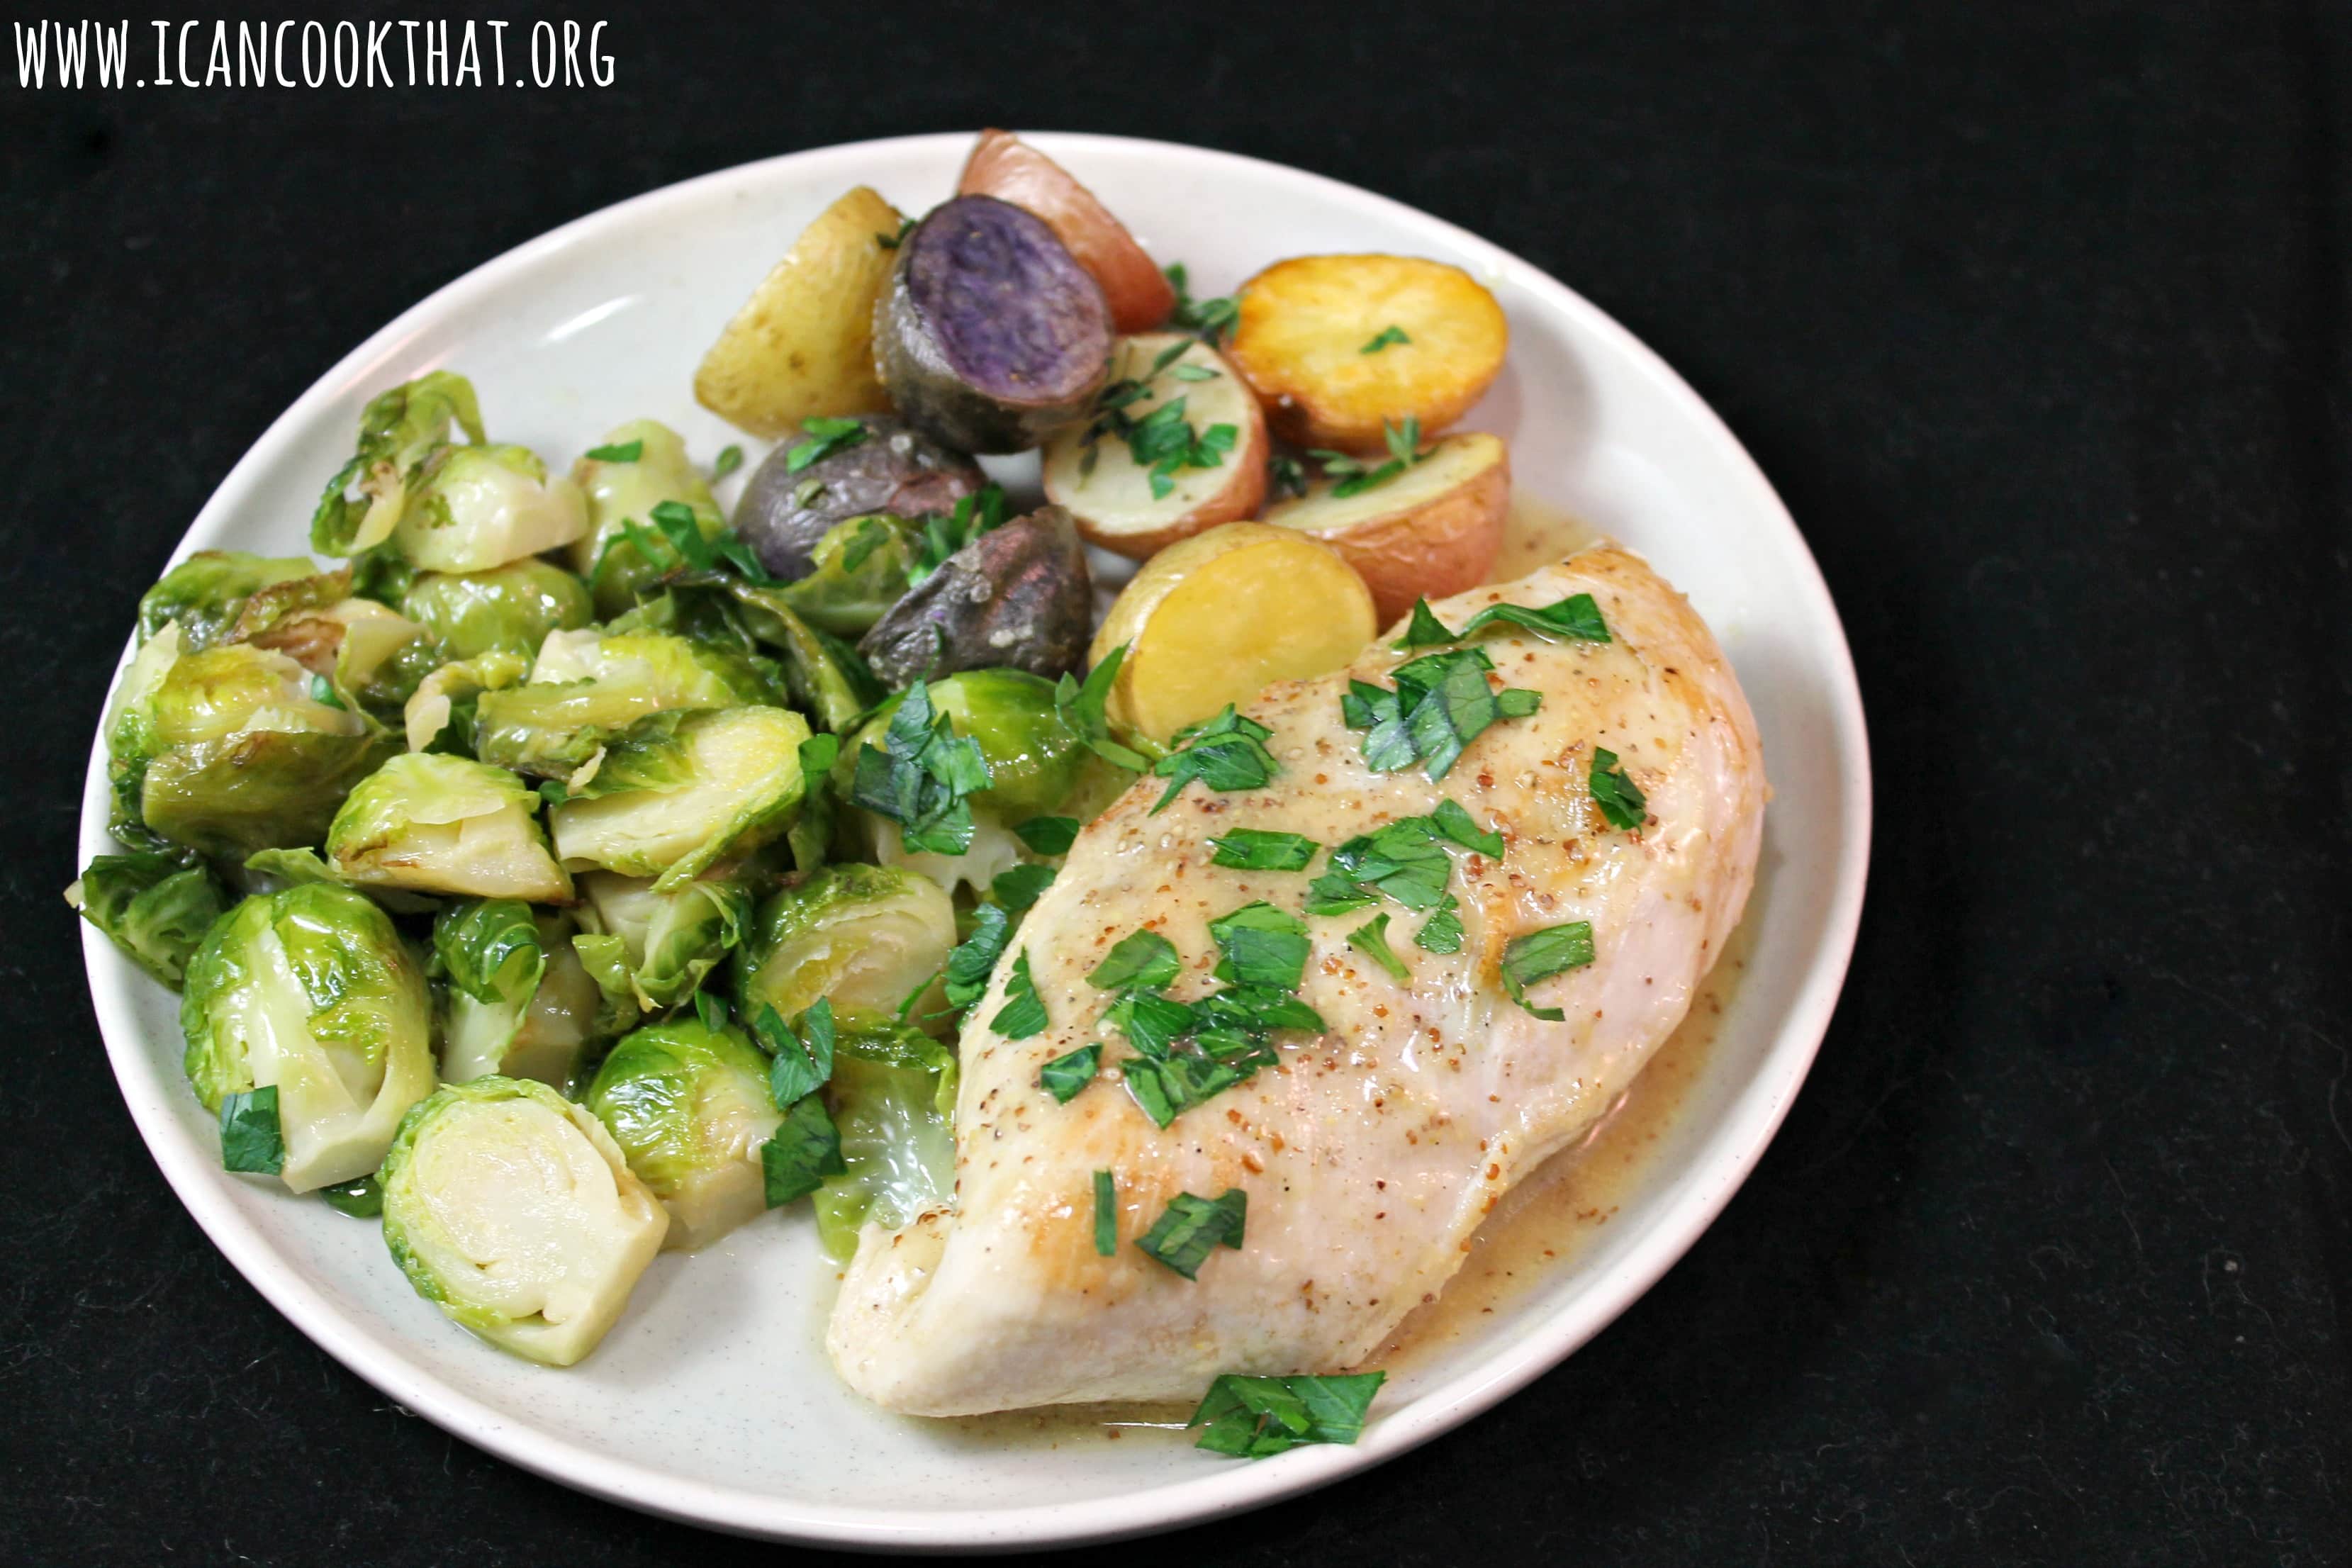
1118, 502
803, 345
1223, 614
1434, 528
1335, 345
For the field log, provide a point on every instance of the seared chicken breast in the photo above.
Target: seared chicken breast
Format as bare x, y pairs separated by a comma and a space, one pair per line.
1371, 1150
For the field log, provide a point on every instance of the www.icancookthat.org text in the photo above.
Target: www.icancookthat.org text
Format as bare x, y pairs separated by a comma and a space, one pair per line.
312, 54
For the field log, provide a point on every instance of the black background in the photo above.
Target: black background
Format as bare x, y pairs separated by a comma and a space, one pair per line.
2037, 316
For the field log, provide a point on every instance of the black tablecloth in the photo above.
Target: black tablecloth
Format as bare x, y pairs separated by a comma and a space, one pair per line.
2036, 315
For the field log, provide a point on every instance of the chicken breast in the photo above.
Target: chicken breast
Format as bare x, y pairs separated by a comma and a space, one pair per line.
1370, 1152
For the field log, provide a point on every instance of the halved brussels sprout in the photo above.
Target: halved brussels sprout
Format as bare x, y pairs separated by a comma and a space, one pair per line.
587, 687
441, 824
206, 593
507, 609
521, 1005
893, 1098
863, 936
473, 507
439, 715
511, 1209
663, 943
155, 906
822, 673
625, 490
399, 429
311, 992
858, 570
688, 1106
679, 793
233, 748
1033, 758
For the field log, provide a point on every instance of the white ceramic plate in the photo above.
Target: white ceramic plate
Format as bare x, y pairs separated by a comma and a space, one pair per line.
712, 1402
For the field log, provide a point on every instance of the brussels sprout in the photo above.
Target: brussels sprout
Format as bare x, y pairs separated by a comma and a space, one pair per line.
473, 507
688, 1106
156, 907
678, 792
863, 936
626, 490
588, 687
858, 570
663, 943
311, 992
445, 825
893, 1097
233, 748
206, 593
511, 1209
399, 429
439, 716
521, 1005
373, 656
507, 609
273, 870
822, 673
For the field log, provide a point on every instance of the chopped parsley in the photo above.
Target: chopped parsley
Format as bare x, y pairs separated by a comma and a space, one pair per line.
1625, 806
1193, 1227
1576, 618
1401, 859
983, 511
1047, 835
804, 1150
1066, 1075
1539, 955
1452, 819
1441, 932
803, 1056
1371, 939
1162, 441
1442, 703
921, 777
1226, 752
251, 1138
1023, 1013
1258, 1417
1105, 1214
624, 452
322, 691
362, 1199
1017, 887
1081, 709
826, 437
1354, 479
1263, 946
1391, 333
1142, 958
731, 458
974, 958
893, 241
1286, 476
1211, 319
1257, 849
676, 543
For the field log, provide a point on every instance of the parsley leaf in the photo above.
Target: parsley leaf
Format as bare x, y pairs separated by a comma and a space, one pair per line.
921, 775
1440, 704
1017, 887
1023, 1013
974, 958
1047, 835
1441, 932
1105, 1214
826, 437
625, 452
1081, 711
1539, 955
1262, 946
731, 458
1371, 939
1401, 859
1391, 333
1354, 479
893, 241
1576, 618
1066, 1075
1140, 958
362, 1199
804, 1150
1452, 819
1285, 476
803, 1056
975, 514
251, 1138
1256, 1418
1226, 752
1212, 318
1255, 849
1625, 806
1193, 1227
1151, 1023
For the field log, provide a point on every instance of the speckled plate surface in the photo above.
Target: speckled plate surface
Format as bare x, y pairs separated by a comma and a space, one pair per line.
711, 1401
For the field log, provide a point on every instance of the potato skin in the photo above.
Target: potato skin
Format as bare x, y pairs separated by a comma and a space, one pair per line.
895, 469
1018, 598
1003, 167
1440, 544
990, 336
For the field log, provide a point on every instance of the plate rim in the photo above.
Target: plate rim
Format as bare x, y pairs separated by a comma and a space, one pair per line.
1744, 1129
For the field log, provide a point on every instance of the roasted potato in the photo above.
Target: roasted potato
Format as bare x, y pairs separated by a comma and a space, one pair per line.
785, 510
1003, 167
1221, 616
803, 345
990, 336
1017, 597
1138, 508
1434, 529
1337, 346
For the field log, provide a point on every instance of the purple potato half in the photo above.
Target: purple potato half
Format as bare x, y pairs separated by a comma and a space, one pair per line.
990, 336
1018, 598
895, 469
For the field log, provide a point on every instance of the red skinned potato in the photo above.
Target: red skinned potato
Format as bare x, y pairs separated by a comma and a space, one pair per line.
1129, 506
990, 336
1003, 167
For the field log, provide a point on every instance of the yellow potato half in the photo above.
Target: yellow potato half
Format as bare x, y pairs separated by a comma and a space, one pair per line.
1218, 617
803, 345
